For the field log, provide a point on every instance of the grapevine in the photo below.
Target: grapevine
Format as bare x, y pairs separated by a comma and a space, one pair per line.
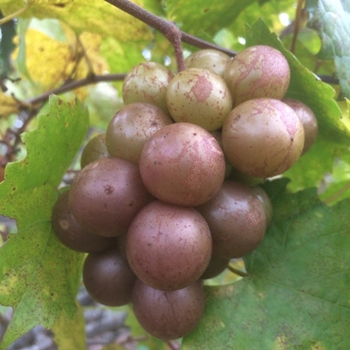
192, 206
157, 183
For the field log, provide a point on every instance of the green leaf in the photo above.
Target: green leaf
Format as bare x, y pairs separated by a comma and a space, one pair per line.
297, 293
121, 57
269, 11
39, 277
200, 17
332, 22
333, 136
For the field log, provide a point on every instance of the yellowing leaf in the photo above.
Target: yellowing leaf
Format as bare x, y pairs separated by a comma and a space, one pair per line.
91, 45
87, 59
8, 105
46, 58
70, 334
50, 61
97, 16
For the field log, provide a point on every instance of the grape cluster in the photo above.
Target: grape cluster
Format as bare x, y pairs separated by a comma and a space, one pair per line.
169, 194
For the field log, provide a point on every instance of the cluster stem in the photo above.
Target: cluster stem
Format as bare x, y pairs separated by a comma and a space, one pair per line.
168, 29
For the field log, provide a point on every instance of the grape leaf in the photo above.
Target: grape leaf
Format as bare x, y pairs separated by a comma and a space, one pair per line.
333, 137
94, 16
39, 277
76, 326
296, 295
200, 17
8, 105
332, 21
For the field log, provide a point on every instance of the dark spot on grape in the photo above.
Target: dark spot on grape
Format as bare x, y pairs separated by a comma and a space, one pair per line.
131, 204
206, 10
194, 134
108, 189
237, 118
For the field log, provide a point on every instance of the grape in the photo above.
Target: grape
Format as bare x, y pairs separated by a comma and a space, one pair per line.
95, 149
266, 202
168, 247
257, 71
213, 60
236, 219
131, 127
218, 137
216, 266
236, 175
121, 244
106, 195
182, 164
147, 82
262, 137
199, 96
168, 314
307, 118
71, 234
108, 278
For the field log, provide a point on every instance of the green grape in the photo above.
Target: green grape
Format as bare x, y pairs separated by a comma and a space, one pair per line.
131, 127
95, 149
213, 60
199, 96
147, 82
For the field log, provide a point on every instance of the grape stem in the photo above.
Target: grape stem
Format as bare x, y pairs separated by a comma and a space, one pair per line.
168, 29
72, 85
28, 110
298, 19
337, 194
237, 271
15, 14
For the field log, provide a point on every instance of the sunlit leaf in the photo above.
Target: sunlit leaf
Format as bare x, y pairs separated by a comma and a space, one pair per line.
332, 21
53, 56
95, 15
46, 59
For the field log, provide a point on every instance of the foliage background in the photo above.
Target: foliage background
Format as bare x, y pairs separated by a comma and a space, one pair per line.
297, 291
